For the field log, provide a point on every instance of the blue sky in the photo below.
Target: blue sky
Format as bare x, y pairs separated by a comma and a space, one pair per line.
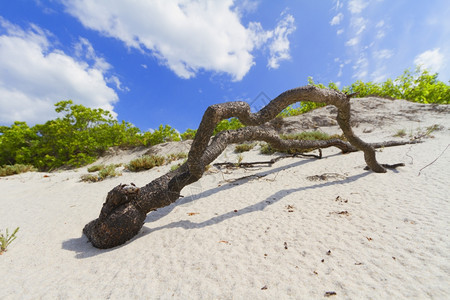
155, 62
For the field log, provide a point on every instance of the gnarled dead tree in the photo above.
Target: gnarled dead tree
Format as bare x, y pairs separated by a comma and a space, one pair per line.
126, 207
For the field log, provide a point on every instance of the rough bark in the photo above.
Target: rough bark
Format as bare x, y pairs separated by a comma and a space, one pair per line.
126, 207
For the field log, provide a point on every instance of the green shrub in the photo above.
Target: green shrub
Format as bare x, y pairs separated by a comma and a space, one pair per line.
104, 172
267, 149
145, 163
95, 168
108, 171
176, 156
90, 178
228, 124
15, 169
6, 239
313, 136
189, 134
244, 147
163, 134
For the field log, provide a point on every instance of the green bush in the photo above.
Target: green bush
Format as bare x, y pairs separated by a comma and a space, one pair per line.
418, 86
163, 134
244, 147
109, 171
176, 156
228, 124
189, 134
95, 168
15, 169
75, 139
90, 178
145, 163
104, 172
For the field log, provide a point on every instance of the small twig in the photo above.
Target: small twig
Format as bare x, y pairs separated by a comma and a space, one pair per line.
434, 160
270, 162
412, 159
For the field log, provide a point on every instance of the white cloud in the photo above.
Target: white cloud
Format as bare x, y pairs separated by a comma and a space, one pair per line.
337, 19
340, 31
380, 24
34, 75
359, 24
279, 46
186, 36
246, 6
339, 4
432, 60
361, 68
352, 42
357, 6
383, 54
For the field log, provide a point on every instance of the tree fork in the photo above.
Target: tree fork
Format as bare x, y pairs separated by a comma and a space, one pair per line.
125, 209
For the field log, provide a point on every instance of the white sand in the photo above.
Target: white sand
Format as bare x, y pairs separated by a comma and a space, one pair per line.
361, 235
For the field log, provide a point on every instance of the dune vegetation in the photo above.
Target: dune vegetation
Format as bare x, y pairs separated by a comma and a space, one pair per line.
82, 134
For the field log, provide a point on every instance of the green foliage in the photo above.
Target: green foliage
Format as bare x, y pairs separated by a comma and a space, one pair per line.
312, 136
145, 163
418, 86
305, 106
90, 178
109, 171
16, 169
148, 162
176, 156
75, 139
6, 239
104, 172
163, 134
16, 143
228, 124
189, 134
95, 168
244, 147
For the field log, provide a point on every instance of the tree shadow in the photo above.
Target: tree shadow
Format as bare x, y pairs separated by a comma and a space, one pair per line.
185, 224
164, 211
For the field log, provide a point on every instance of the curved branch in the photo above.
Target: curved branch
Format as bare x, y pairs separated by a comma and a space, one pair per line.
126, 207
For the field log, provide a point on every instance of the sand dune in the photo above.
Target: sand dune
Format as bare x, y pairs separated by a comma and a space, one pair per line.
278, 232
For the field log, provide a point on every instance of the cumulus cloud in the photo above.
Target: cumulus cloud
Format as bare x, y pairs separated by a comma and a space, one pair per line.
432, 60
34, 75
186, 36
337, 19
279, 46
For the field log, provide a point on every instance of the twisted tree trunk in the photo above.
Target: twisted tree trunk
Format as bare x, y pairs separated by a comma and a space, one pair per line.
126, 207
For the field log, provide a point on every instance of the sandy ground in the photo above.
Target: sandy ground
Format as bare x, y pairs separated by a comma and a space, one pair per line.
275, 232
